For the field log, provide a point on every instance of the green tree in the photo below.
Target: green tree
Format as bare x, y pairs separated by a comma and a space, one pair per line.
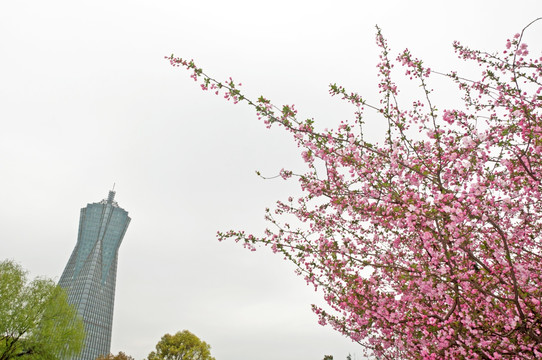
182, 346
119, 356
36, 321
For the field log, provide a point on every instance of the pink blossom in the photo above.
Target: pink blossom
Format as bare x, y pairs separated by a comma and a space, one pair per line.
425, 244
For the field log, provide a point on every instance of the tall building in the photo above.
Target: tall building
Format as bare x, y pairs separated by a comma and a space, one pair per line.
89, 277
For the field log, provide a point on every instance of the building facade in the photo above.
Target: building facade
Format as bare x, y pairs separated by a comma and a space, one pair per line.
89, 277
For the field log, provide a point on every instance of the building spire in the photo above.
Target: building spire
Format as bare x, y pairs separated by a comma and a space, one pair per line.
111, 196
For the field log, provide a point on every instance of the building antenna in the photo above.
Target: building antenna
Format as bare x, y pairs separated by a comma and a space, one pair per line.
113, 187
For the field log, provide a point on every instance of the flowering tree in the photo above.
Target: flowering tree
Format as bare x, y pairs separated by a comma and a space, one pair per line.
427, 244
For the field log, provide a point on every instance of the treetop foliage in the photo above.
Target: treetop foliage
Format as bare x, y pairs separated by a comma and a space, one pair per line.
181, 346
119, 356
36, 321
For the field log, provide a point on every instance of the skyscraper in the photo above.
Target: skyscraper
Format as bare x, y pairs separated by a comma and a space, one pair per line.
89, 277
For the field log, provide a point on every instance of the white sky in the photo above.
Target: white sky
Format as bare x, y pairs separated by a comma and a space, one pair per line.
86, 100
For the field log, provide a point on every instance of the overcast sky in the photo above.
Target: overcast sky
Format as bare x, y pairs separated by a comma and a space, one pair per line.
87, 100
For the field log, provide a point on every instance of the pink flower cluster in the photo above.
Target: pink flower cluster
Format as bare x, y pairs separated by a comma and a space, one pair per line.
427, 244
